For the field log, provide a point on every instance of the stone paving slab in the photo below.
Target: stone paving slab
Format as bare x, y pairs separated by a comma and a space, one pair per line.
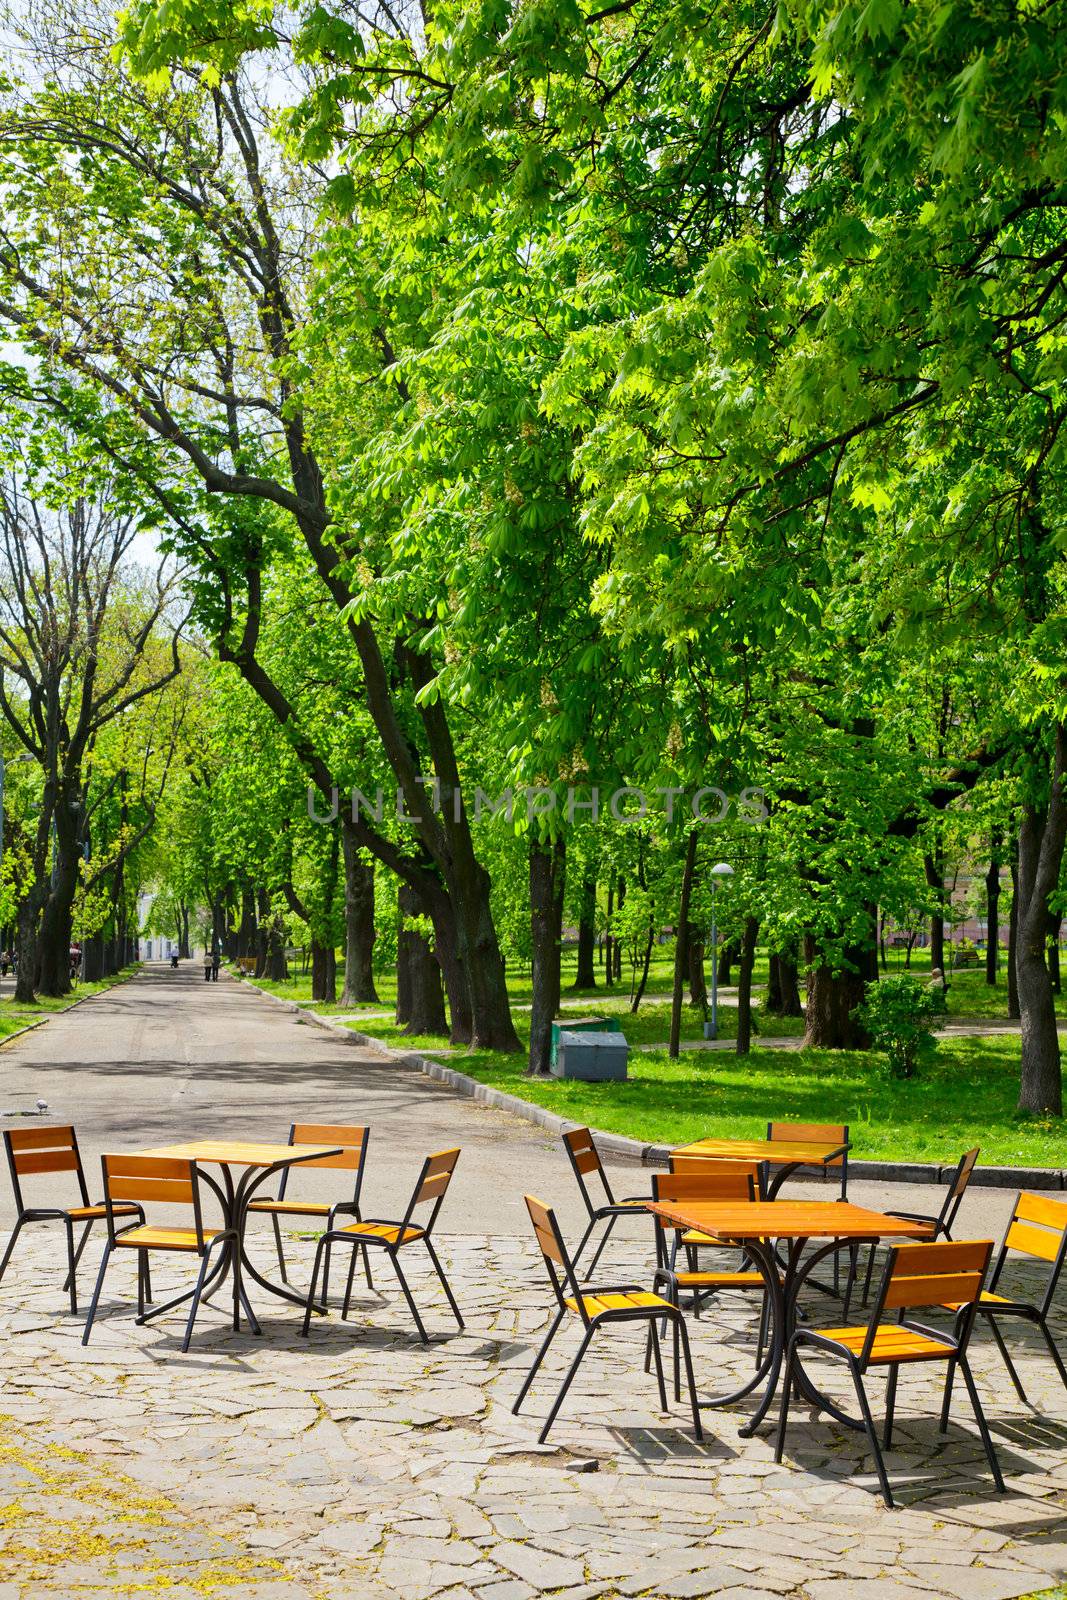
361, 1463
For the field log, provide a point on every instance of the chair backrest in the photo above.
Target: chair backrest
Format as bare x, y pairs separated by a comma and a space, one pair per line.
816, 1133
434, 1179
680, 1188
555, 1254
1038, 1229
584, 1160
171, 1180
957, 1188
31, 1151
725, 1166
937, 1274
352, 1142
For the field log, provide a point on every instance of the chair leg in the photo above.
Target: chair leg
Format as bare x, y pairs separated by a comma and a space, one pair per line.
657, 1356
444, 1282
870, 1274
872, 1437
82, 1242
412, 1307
850, 1281
783, 1410
681, 1336
147, 1277
600, 1247
96, 1293
278, 1246
197, 1292
1053, 1351
538, 1358
326, 1271
320, 1247
890, 1406
140, 1282
568, 1380
70, 1283
946, 1402
983, 1427
1006, 1358
348, 1282
16, 1230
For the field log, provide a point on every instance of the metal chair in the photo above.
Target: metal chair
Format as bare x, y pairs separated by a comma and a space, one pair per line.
1038, 1230
392, 1237
942, 1223
32, 1152
585, 1160
702, 1187
353, 1142
915, 1275
173, 1182
596, 1307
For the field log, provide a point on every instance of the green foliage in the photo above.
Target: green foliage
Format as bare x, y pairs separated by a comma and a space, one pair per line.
898, 1013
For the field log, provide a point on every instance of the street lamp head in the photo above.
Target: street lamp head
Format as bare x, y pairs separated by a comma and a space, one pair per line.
722, 869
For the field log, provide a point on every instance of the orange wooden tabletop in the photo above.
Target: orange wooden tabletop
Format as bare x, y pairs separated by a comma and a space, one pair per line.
778, 1152
242, 1152
788, 1219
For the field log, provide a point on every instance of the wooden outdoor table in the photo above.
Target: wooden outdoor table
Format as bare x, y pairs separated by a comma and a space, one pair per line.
757, 1226
260, 1162
786, 1154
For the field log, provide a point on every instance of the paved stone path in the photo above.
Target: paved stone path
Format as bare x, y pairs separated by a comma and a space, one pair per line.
361, 1464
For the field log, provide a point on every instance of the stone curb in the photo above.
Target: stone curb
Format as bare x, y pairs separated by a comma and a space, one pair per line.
658, 1155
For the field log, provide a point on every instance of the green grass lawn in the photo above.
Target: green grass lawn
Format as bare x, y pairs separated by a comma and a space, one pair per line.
965, 1096
13, 1017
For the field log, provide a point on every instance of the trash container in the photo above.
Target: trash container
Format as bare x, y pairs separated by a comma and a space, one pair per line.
577, 1025
595, 1057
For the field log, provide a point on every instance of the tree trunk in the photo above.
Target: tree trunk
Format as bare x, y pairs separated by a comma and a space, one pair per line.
992, 902
1013, 947
744, 985
834, 994
586, 978
183, 933
423, 1000
546, 932
1042, 835
646, 962
698, 983
609, 941
26, 972
680, 943
783, 987
728, 953
56, 932
618, 942
359, 925
323, 973
93, 958
933, 866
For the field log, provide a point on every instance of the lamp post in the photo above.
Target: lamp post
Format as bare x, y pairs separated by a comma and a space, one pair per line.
720, 870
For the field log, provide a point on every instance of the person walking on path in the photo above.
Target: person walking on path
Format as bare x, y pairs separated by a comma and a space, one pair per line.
216, 962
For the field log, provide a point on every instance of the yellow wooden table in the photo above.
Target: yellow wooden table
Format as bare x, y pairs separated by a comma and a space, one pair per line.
258, 1163
758, 1226
785, 1154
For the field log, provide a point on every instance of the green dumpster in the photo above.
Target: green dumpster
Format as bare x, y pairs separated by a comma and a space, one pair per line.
577, 1025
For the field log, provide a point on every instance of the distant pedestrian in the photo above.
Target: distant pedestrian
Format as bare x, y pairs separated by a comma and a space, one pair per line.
216, 962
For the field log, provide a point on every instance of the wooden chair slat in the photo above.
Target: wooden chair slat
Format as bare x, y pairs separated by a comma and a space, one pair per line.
443, 1162
148, 1166
53, 1138
811, 1133
963, 1255
1030, 1241
351, 1139
677, 1188
29, 1161
172, 1191
682, 1163
933, 1289
1032, 1207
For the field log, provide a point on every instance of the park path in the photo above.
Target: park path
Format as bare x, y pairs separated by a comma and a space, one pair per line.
362, 1466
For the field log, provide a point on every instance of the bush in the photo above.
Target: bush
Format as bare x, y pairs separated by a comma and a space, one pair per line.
898, 1013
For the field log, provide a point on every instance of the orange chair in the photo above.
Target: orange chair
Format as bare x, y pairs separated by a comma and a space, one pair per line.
585, 1160
32, 1152
945, 1220
1038, 1230
392, 1237
173, 1182
915, 1275
818, 1133
720, 1166
353, 1143
595, 1307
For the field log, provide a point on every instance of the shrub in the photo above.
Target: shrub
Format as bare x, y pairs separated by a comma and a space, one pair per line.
898, 1013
